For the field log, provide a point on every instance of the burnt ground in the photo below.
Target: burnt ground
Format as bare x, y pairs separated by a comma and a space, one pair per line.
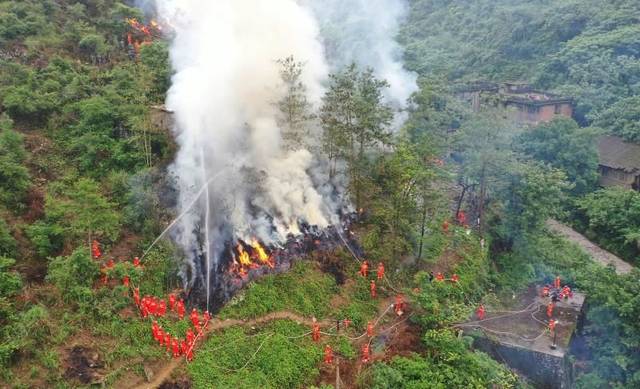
84, 365
180, 383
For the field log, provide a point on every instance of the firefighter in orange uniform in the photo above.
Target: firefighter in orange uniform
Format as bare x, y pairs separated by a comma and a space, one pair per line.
439, 277
136, 296
328, 355
172, 301
175, 348
370, 329
545, 291
445, 226
455, 278
398, 307
365, 353
190, 337
557, 282
462, 218
315, 330
167, 341
364, 269
380, 271
180, 309
480, 312
552, 325
195, 319
550, 310
372, 288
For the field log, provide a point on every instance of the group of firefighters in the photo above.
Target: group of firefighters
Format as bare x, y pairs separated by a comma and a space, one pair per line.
555, 293
399, 308
153, 306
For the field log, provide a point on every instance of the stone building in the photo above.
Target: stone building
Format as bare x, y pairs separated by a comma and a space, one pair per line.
528, 106
161, 118
619, 163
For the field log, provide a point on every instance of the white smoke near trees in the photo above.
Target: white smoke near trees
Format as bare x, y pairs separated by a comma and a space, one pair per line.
226, 82
364, 32
224, 54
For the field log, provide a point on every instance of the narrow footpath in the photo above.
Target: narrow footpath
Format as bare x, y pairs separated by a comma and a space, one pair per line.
599, 255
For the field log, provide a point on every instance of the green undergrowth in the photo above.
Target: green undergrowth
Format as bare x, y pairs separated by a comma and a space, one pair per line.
304, 290
274, 356
443, 303
78, 310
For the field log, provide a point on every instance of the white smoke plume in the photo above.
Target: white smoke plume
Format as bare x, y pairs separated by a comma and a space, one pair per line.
226, 80
223, 92
364, 32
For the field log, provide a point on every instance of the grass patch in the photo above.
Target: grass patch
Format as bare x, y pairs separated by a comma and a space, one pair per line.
304, 290
229, 359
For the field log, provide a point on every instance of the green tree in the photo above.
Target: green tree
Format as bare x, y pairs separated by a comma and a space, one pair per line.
295, 110
7, 242
14, 176
355, 119
79, 214
622, 119
534, 193
565, 145
612, 217
74, 275
155, 57
485, 148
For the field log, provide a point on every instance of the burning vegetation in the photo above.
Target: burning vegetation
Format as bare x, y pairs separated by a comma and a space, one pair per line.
142, 34
249, 256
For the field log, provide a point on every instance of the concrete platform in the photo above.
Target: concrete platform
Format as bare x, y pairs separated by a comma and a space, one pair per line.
521, 339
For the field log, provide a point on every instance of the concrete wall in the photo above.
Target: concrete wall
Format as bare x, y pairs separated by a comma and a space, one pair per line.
545, 370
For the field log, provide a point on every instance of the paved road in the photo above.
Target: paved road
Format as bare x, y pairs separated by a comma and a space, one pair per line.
602, 256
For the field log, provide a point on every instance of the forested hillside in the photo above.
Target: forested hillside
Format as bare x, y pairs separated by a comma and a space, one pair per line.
443, 212
587, 49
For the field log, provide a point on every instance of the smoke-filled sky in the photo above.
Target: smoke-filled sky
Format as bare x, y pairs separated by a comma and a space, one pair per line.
226, 82
363, 31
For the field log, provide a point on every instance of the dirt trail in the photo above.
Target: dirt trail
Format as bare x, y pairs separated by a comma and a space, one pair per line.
601, 256
216, 325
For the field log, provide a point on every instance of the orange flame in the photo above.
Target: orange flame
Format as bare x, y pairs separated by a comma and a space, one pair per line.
244, 259
243, 256
261, 253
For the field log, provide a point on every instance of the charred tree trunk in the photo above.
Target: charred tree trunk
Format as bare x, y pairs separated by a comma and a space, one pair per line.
423, 225
483, 192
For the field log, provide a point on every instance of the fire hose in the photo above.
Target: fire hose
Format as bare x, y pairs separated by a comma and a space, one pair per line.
191, 204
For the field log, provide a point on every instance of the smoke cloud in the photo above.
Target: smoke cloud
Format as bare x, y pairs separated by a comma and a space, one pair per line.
224, 54
364, 32
223, 93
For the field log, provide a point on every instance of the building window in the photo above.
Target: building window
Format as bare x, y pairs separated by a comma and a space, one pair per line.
558, 109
